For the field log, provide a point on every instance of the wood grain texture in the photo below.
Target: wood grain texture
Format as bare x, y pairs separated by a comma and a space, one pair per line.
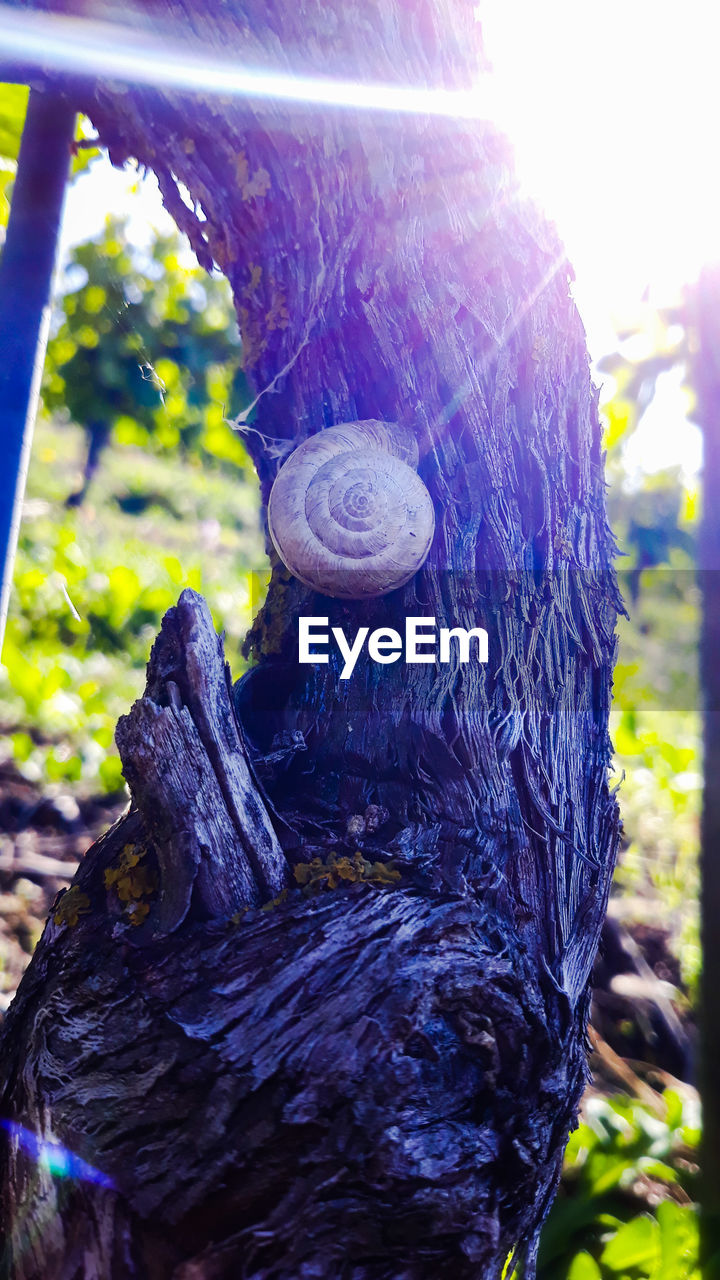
377, 1082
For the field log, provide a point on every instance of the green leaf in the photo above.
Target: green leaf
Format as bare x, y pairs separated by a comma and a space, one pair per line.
657, 1169
584, 1267
83, 156
636, 1244
679, 1238
111, 774
620, 417
13, 105
23, 746
674, 1104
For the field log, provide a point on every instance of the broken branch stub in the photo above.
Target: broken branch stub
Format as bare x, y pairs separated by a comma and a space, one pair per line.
185, 762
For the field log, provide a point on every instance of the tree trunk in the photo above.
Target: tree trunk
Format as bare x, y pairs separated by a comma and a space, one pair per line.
316, 1006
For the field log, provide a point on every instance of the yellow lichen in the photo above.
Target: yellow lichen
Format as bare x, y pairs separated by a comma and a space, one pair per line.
132, 882
330, 874
71, 906
137, 911
541, 348
252, 186
268, 906
270, 626
278, 317
259, 184
253, 341
242, 169
562, 543
255, 278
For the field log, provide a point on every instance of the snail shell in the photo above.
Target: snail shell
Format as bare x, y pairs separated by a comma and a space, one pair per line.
348, 515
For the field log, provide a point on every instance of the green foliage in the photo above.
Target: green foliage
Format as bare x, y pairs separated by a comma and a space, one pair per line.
652, 519
656, 719
148, 349
655, 343
655, 727
13, 106
90, 589
625, 1207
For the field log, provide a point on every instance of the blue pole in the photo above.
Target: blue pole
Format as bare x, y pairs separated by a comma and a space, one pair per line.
27, 265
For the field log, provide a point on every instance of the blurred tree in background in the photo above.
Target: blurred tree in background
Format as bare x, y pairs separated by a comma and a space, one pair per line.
656, 718
143, 364
147, 351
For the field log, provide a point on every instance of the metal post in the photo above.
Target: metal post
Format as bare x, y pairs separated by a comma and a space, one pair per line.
26, 273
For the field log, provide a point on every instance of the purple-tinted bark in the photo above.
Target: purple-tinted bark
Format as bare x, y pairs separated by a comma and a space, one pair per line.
377, 1081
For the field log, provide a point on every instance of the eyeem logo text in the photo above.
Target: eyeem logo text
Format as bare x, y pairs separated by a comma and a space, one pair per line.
386, 644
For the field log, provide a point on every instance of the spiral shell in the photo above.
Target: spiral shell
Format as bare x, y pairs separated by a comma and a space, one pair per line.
347, 515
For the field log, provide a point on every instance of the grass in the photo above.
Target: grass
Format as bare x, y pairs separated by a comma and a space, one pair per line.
91, 586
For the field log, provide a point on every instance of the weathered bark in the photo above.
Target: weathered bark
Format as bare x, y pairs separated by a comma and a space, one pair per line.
377, 1081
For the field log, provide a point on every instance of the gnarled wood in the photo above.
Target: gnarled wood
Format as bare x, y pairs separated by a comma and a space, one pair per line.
227, 854
375, 1083
341, 1086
